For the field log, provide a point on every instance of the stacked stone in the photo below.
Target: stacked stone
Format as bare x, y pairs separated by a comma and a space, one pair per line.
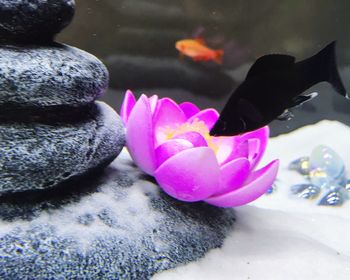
114, 226
51, 127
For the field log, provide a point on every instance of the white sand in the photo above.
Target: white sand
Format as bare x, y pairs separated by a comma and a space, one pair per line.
279, 236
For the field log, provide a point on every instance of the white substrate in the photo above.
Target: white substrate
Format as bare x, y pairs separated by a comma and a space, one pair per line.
280, 236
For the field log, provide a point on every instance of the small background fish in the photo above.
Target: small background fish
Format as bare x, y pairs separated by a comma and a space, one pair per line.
198, 50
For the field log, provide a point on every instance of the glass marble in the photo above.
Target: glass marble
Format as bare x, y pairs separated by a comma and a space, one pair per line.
326, 166
325, 172
272, 189
301, 165
333, 198
307, 191
347, 184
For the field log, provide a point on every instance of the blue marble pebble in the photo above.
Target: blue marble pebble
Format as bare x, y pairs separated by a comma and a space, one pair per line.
307, 191
301, 165
326, 166
333, 198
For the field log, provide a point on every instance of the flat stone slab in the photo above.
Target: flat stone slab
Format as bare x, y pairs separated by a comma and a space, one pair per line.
46, 76
117, 225
34, 20
39, 155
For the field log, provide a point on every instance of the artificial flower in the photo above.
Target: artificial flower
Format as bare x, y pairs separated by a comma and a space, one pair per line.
171, 142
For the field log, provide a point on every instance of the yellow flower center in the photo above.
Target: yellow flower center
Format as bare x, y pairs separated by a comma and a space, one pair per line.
195, 126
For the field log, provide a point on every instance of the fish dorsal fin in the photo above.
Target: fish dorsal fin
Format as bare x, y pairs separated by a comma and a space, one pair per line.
200, 40
271, 61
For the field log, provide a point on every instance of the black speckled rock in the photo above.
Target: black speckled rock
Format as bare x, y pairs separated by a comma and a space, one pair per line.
34, 20
116, 226
39, 155
49, 76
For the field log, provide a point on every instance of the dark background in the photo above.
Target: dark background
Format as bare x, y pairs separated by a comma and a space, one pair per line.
136, 38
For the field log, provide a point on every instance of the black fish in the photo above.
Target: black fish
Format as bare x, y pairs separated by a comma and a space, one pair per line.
273, 84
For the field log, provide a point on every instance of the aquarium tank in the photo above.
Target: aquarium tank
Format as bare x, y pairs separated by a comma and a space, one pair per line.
183, 139
136, 40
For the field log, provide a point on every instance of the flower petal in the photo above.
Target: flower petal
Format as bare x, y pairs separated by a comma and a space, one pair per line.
141, 148
189, 109
233, 174
226, 148
190, 175
255, 186
239, 150
171, 148
253, 151
167, 114
153, 101
263, 135
208, 116
194, 137
128, 104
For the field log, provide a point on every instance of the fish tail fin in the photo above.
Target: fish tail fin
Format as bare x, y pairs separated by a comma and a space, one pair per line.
218, 56
328, 65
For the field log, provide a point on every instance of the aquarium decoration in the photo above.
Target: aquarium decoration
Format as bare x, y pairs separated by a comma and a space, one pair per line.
272, 189
72, 205
326, 178
171, 142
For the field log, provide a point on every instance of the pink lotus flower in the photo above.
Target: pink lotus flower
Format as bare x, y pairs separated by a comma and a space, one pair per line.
172, 143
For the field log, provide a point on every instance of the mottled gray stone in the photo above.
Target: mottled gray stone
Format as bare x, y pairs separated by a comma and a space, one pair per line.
34, 20
40, 155
118, 225
40, 76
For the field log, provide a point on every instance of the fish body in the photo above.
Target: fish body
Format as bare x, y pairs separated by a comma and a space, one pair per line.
198, 50
274, 84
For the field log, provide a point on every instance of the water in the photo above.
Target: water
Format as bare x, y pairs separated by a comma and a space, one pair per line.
136, 38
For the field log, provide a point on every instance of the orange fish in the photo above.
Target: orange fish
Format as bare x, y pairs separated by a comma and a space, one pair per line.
198, 50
